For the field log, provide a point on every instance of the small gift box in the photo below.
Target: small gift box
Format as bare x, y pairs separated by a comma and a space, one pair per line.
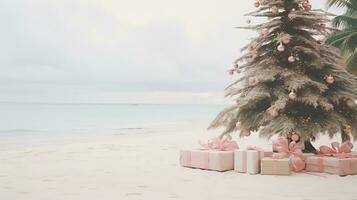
271, 166
292, 151
248, 161
217, 155
337, 160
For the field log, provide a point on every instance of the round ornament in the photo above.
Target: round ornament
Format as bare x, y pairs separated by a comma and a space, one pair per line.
292, 95
286, 40
308, 7
236, 66
275, 10
273, 113
252, 81
330, 79
350, 103
347, 129
257, 4
246, 132
238, 125
291, 59
231, 71
295, 137
281, 48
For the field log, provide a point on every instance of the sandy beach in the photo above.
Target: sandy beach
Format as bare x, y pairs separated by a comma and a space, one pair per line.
145, 166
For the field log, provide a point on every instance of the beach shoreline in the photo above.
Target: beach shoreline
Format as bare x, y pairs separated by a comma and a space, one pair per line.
146, 167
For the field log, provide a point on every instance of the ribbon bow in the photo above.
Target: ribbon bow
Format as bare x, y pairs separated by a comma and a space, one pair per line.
293, 151
225, 144
338, 150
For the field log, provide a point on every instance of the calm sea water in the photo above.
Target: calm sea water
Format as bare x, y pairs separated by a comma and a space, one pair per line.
22, 124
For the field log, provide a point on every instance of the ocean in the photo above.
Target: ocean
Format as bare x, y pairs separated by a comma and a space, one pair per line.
30, 124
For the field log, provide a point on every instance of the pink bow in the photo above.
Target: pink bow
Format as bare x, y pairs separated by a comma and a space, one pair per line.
292, 151
337, 150
217, 144
254, 148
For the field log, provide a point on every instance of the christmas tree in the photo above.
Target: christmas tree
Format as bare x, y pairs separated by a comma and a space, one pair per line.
289, 81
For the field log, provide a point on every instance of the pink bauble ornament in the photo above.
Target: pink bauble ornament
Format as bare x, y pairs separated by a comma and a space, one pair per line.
323, 25
286, 40
281, 48
330, 79
238, 125
350, 103
295, 137
347, 129
308, 8
292, 95
246, 132
275, 10
305, 4
236, 66
231, 71
252, 81
273, 113
257, 4
291, 59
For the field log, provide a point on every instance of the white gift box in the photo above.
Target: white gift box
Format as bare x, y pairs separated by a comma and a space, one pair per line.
248, 161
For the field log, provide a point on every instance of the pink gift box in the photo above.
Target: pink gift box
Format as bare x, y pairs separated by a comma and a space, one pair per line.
306, 155
332, 165
207, 159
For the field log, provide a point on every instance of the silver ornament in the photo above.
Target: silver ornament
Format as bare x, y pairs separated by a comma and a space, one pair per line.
291, 59
281, 48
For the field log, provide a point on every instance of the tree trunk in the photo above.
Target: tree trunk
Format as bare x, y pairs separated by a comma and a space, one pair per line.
345, 137
309, 148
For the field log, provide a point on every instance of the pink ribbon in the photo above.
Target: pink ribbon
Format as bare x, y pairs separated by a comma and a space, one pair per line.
217, 144
339, 151
293, 151
254, 148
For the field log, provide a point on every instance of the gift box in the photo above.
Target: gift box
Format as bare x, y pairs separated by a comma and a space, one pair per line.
306, 155
332, 165
248, 161
271, 166
217, 154
207, 159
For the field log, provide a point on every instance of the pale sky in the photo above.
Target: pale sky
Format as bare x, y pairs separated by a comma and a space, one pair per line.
116, 51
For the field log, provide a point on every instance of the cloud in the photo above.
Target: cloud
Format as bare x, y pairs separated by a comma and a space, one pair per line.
49, 47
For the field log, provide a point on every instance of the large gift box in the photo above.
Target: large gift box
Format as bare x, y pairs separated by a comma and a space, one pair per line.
207, 159
336, 160
216, 154
271, 166
332, 165
248, 161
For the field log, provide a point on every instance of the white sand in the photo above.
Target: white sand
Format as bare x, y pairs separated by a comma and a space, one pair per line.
146, 167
